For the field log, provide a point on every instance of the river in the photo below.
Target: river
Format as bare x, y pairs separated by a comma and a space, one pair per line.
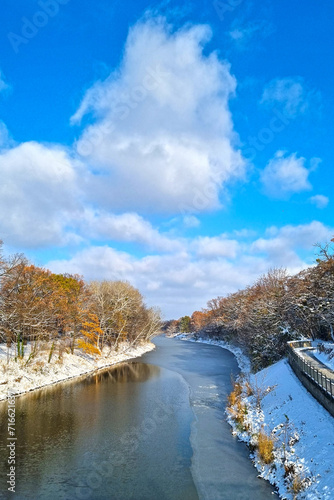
152, 429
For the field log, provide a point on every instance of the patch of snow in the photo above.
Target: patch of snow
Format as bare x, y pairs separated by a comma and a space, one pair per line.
300, 426
22, 376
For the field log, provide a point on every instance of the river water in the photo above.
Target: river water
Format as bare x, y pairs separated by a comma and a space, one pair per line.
147, 430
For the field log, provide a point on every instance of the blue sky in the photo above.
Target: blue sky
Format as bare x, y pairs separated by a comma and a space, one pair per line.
183, 146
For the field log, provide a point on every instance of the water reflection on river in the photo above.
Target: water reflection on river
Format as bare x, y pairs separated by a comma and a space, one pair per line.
136, 431
119, 434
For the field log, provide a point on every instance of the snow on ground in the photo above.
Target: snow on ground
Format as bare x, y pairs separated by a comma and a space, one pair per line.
297, 420
20, 377
323, 357
243, 361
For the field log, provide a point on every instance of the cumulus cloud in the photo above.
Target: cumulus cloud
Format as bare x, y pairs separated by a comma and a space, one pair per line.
319, 200
292, 94
219, 246
281, 244
177, 283
162, 136
37, 195
41, 204
127, 227
285, 175
184, 280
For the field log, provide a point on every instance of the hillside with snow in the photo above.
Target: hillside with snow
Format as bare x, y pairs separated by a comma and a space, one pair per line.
302, 430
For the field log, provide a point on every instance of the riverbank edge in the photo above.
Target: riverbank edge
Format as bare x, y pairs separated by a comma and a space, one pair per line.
244, 366
71, 360
286, 395
245, 369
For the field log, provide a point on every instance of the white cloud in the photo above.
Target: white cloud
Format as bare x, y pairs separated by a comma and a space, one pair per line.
285, 175
291, 93
190, 221
319, 200
282, 244
177, 283
244, 233
37, 195
218, 246
184, 280
128, 227
42, 205
163, 135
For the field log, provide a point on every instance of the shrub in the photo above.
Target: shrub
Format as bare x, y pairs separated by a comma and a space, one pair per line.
232, 398
265, 447
88, 348
236, 392
297, 485
249, 388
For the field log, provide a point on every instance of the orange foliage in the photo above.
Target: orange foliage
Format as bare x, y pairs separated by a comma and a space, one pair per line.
91, 332
198, 320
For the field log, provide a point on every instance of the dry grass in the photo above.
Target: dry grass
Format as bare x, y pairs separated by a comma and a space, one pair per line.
238, 410
297, 485
265, 447
38, 366
232, 399
249, 389
236, 392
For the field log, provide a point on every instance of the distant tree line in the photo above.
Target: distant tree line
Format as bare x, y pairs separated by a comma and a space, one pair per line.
263, 317
38, 305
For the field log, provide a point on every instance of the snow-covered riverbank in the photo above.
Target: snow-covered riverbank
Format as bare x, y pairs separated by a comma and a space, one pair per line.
302, 430
20, 377
303, 433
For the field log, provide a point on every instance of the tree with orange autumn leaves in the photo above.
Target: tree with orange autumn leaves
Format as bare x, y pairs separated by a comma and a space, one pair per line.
91, 333
38, 305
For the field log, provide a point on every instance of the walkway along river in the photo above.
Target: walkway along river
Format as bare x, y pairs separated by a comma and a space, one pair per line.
146, 430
